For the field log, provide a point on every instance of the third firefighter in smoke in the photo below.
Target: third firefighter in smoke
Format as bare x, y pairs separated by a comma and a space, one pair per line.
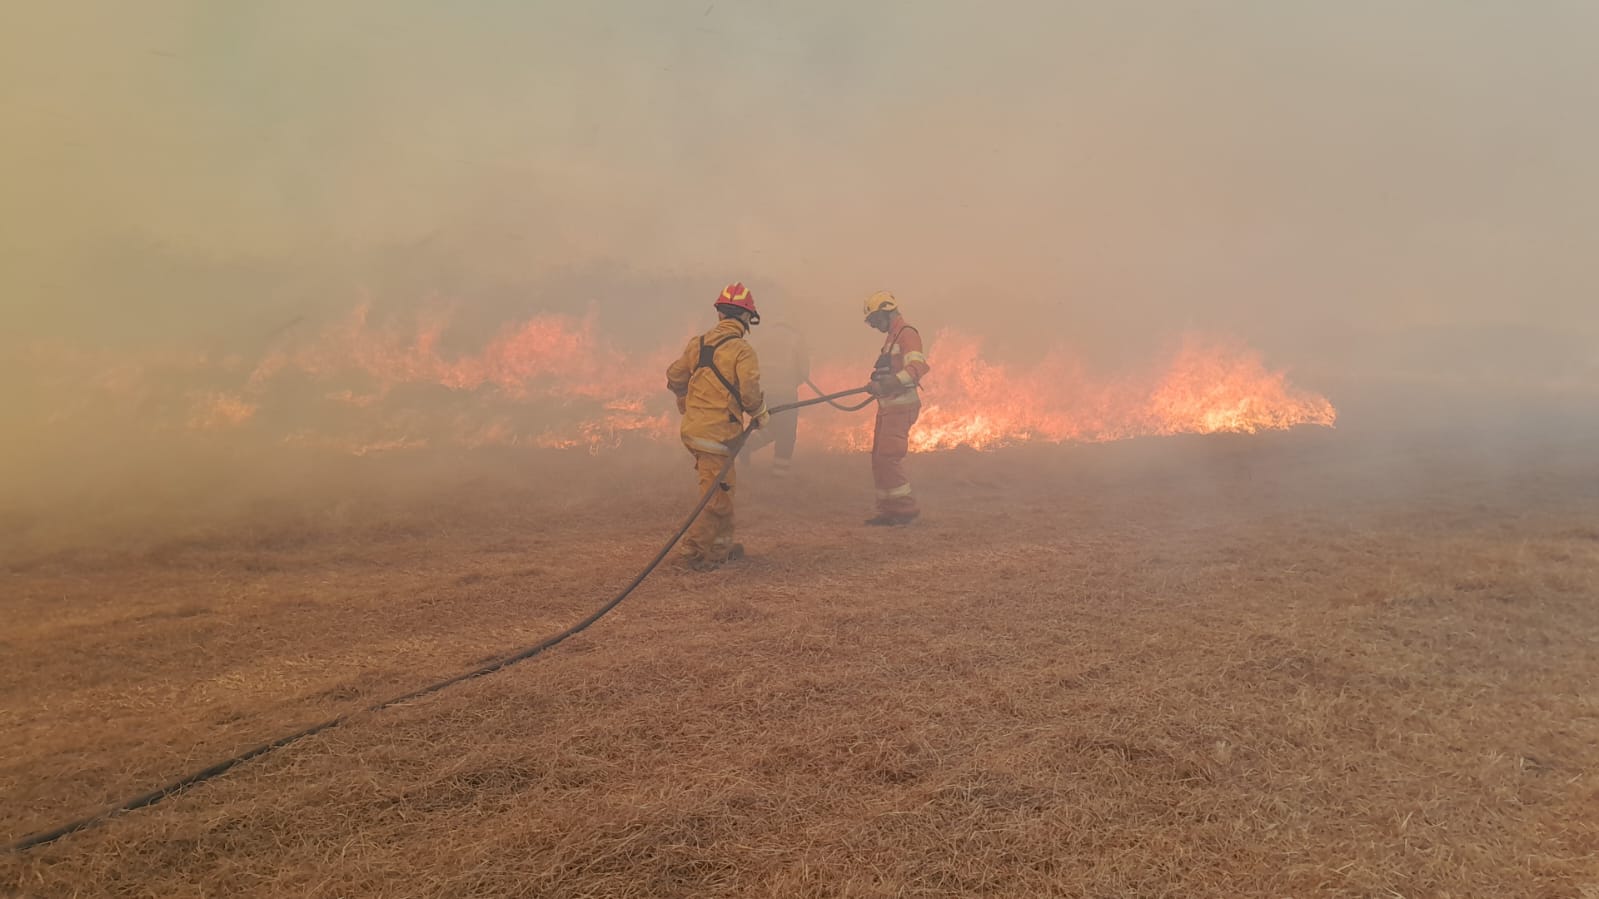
717, 381
900, 369
785, 365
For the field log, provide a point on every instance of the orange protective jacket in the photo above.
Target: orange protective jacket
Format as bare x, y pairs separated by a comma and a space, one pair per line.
906, 360
717, 381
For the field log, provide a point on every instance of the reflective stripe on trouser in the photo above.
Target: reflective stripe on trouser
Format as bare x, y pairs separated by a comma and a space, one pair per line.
890, 444
712, 534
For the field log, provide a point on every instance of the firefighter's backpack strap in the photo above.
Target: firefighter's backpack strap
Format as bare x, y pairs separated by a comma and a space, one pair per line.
708, 360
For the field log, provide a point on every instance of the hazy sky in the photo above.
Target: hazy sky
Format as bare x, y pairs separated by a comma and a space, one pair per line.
1303, 175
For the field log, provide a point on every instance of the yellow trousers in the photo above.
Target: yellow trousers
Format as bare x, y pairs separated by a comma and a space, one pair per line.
711, 537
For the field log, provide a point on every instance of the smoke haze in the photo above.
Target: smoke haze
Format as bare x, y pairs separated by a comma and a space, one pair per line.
1364, 192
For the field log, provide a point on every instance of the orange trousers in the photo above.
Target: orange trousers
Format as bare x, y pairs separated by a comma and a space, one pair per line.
711, 536
890, 445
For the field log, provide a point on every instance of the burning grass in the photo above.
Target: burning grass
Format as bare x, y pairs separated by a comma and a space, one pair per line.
552, 381
1271, 666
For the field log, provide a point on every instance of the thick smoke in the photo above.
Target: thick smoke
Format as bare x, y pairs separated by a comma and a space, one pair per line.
1370, 194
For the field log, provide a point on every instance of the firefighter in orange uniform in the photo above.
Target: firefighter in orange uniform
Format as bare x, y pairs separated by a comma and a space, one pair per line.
895, 380
717, 381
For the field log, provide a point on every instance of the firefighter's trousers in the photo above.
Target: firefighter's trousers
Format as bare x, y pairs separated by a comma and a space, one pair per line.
711, 537
890, 444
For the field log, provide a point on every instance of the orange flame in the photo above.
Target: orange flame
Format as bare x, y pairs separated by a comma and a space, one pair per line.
548, 357
553, 382
1210, 390
214, 411
1207, 388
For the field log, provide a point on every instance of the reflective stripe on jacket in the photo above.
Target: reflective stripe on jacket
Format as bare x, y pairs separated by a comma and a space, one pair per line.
907, 361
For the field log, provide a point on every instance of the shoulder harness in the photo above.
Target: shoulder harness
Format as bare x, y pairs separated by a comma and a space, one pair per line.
708, 360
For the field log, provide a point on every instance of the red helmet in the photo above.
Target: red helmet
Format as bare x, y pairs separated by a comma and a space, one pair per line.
739, 297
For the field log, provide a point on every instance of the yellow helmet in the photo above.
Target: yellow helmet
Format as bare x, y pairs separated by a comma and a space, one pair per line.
882, 301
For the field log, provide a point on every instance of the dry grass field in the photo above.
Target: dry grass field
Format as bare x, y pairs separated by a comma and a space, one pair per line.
1317, 663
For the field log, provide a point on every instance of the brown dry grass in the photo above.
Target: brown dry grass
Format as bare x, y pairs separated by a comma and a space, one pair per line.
1293, 665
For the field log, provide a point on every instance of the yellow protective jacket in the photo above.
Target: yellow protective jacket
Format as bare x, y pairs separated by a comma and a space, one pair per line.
714, 407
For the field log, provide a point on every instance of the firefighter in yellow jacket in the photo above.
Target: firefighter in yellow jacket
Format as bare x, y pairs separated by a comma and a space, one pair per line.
717, 381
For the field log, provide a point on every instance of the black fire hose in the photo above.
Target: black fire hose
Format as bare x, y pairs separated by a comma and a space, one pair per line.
828, 398
521, 655
831, 399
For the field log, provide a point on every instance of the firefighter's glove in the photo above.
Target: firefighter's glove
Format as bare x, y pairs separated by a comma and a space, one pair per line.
682, 405
885, 384
761, 418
